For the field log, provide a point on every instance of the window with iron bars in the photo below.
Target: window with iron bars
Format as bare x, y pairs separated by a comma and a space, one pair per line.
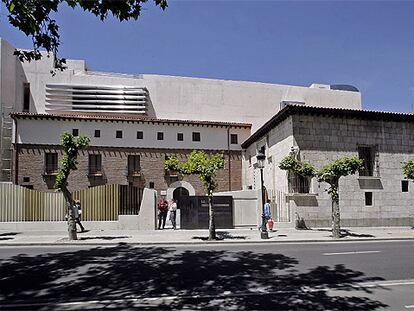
134, 165
95, 164
51, 163
370, 161
298, 183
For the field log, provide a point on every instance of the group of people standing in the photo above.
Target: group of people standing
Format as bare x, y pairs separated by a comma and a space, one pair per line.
163, 209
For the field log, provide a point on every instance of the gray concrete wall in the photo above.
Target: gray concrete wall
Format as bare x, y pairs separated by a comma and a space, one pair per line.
246, 205
147, 213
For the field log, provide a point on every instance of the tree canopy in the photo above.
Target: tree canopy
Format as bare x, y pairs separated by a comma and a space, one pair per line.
71, 145
34, 19
198, 163
333, 171
408, 170
290, 163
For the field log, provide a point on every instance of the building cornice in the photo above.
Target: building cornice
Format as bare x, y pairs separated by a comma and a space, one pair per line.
127, 119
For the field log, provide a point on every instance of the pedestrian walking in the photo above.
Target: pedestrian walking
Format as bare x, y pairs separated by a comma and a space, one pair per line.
77, 212
173, 213
162, 212
266, 213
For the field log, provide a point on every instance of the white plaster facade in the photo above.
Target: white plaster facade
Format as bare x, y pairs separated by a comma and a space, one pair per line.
212, 137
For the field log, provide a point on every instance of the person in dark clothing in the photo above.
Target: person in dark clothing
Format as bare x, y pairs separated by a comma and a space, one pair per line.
162, 212
77, 212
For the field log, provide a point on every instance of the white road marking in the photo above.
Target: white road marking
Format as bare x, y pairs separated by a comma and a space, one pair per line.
351, 253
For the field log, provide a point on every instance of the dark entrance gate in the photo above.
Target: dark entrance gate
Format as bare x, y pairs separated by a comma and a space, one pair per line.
179, 192
194, 212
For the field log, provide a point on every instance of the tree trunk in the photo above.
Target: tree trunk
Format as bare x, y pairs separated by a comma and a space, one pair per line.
212, 225
336, 219
71, 217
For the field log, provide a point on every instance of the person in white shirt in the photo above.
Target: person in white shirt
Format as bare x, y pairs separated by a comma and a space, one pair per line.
173, 213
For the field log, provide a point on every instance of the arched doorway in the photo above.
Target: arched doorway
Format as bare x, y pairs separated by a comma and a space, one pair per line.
179, 192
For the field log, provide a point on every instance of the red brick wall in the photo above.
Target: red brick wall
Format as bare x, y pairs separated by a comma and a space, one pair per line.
31, 161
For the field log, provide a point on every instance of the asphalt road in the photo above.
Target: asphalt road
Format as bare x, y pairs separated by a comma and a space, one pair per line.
306, 276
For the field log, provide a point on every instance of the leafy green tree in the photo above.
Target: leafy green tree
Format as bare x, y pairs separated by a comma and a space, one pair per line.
331, 174
408, 170
290, 163
71, 145
33, 18
206, 167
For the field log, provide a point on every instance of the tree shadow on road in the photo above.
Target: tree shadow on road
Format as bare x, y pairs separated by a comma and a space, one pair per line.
207, 280
221, 235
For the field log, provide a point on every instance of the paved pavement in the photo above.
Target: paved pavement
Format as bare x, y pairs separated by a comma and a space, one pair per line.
169, 236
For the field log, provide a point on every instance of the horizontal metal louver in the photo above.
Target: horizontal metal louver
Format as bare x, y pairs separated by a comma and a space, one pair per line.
96, 98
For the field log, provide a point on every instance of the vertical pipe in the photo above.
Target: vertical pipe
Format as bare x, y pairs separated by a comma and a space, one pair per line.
16, 153
263, 234
228, 154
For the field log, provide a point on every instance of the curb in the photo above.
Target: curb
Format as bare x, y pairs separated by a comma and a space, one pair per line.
172, 243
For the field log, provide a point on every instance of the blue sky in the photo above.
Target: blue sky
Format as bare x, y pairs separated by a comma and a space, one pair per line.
369, 44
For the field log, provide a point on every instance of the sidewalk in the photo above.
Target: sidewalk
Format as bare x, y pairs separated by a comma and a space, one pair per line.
171, 237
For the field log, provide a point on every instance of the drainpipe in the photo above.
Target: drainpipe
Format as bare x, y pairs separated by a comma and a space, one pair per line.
16, 154
228, 152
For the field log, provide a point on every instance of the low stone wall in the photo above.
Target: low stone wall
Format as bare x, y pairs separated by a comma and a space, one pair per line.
245, 207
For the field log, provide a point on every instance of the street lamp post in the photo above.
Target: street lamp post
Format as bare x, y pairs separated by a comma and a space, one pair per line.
260, 164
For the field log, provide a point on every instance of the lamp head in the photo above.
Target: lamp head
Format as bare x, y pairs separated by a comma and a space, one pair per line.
260, 160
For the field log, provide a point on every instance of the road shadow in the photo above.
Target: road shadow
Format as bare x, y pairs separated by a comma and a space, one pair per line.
108, 238
9, 234
202, 280
345, 233
220, 236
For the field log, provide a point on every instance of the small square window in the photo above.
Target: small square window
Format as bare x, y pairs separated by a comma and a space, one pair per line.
160, 136
140, 135
368, 198
404, 185
151, 185
26, 179
97, 133
75, 132
196, 136
118, 134
180, 136
233, 139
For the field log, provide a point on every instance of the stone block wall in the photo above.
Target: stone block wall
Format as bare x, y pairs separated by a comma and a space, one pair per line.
322, 139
